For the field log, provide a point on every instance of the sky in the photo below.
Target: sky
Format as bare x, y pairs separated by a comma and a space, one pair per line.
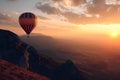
64, 17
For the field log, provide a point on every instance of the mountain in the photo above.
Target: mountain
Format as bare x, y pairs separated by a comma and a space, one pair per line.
15, 51
58, 49
45, 45
9, 71
43, 41
67, 71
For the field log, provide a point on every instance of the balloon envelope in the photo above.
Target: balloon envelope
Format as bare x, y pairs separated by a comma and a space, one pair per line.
27, 21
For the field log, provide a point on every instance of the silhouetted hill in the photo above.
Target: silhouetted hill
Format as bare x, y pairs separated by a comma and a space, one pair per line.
67, 71
10, 49
18, 52
10, 71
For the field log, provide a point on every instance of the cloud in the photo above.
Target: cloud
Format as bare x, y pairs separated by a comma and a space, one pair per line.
109, 13
46, 8
77, 2
4, 16
6, 20
57, 0
82, 11
57, 7
97, 6
11, 0
72, 17
72, 2
80, 19
100, 13
100, 7
43, 18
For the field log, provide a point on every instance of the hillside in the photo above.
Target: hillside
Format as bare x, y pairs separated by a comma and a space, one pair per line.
10, 71
17, 52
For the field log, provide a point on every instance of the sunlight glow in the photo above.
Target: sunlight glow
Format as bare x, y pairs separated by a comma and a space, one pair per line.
114, 34
68, 4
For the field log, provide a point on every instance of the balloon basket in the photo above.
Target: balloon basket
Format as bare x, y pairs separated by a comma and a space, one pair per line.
28, 36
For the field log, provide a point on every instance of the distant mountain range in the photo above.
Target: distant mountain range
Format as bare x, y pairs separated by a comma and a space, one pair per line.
15, 51
40, 41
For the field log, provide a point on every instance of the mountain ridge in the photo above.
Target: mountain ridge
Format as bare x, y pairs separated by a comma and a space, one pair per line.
15, 51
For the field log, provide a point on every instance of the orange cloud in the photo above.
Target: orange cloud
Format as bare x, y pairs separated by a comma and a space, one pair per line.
82, 12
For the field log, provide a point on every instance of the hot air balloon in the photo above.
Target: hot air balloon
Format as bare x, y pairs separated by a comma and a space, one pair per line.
28, 22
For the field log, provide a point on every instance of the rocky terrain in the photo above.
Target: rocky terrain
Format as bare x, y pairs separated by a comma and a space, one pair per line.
23, 55
10, 71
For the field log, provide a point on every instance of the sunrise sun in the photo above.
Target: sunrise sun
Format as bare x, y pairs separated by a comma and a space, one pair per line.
114, 34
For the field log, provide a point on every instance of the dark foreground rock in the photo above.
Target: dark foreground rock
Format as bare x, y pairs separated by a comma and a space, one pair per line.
13, 50
67, 71
10, 71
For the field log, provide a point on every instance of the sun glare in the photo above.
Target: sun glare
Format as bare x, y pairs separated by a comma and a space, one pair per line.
114, 34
